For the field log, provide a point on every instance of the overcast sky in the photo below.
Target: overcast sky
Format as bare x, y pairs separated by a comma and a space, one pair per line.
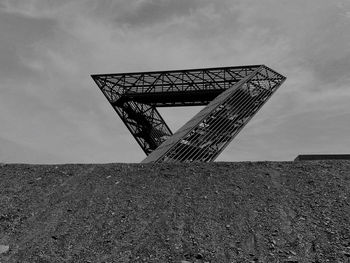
52, 112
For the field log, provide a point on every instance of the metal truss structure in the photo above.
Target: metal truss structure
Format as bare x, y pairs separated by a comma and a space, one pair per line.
232, 95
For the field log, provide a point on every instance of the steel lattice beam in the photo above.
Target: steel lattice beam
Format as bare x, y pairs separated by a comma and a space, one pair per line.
232, 94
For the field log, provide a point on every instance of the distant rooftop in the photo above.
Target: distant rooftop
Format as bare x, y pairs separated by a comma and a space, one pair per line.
315, 157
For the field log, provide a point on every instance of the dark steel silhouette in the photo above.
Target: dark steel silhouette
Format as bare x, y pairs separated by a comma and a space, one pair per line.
233, 95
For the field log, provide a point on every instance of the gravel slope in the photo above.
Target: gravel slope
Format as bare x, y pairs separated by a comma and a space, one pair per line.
218, 212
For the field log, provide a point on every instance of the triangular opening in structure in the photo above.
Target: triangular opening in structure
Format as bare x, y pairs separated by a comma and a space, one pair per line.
175, 117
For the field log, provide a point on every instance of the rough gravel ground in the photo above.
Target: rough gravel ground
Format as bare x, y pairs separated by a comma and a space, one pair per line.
218, 212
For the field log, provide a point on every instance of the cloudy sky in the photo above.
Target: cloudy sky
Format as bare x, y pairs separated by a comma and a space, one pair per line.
52, 112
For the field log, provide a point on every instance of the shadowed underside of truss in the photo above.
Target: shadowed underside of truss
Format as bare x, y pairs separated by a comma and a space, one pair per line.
232, 96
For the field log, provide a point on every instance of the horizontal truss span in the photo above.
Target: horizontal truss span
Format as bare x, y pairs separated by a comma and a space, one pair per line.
233, 95
168, 88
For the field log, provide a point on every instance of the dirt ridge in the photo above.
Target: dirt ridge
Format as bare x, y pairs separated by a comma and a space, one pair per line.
211, 212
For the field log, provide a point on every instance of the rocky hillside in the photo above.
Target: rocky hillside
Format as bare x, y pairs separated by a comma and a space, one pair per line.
218, 212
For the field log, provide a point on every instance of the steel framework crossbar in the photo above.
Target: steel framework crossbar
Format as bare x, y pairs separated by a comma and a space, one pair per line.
232, 94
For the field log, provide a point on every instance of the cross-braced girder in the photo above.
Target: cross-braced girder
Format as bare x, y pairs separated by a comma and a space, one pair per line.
232, 95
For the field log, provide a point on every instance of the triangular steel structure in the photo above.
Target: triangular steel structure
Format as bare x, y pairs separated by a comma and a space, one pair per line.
232, 96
